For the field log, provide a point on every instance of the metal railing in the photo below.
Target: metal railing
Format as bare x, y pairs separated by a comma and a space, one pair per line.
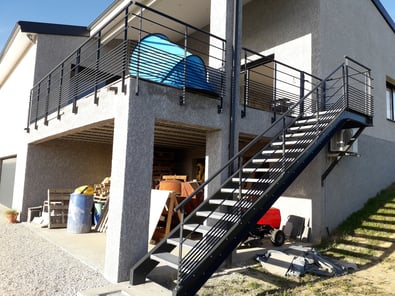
106, 57
347, 88
269, 85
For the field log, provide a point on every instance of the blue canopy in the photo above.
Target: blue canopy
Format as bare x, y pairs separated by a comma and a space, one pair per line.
157, 59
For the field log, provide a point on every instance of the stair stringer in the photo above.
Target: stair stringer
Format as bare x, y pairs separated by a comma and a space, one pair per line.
198, 276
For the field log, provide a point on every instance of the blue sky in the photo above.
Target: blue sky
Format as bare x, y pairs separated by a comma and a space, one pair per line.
71, 12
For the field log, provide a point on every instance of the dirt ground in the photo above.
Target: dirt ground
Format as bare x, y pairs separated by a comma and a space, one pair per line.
376, 279
371, 246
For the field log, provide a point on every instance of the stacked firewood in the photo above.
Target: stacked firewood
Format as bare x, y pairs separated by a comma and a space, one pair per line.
102, 190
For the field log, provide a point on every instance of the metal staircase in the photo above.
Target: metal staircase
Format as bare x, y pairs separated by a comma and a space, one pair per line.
206, 237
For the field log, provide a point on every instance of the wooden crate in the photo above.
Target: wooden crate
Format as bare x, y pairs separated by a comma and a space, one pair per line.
58, 207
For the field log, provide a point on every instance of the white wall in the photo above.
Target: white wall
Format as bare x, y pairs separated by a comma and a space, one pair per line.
14, 104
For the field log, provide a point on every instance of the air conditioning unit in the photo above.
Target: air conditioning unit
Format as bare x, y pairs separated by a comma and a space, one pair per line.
340, 140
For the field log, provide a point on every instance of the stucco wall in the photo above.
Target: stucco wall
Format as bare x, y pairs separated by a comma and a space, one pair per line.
286, 28
14, 104
48, 58
63, 164
356, 28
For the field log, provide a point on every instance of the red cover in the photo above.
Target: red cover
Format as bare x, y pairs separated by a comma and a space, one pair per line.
272, 218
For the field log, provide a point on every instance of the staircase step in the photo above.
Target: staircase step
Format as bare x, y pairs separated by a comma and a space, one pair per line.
256, 170
203, 229
243, 191
298, 128
252, 180
166, 258
271, 160
228, 202
216, 215
175, 241
280, 151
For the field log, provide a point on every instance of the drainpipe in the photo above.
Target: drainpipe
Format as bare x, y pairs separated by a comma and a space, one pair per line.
236, 58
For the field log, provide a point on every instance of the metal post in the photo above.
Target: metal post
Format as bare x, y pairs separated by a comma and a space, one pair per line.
301, 92
136, 87
180, 248
246, 86
182, 97
47, 100
274, 107
29, 112
125, 48
60, 89
38, 103
96, 98
77, 70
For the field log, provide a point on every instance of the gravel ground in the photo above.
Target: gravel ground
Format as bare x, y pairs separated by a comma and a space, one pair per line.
30, 265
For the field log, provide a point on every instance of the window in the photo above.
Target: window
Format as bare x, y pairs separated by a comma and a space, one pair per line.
390, 99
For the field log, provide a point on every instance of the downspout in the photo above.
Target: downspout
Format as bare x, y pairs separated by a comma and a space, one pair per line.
236, 58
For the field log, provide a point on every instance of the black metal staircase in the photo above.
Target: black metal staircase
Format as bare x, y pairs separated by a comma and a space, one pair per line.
206, 237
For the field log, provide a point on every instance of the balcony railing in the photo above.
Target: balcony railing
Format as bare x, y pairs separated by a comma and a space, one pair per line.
269, 85
146, 44
125, 47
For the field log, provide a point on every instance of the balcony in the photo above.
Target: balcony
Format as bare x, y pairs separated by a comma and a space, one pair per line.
142, 43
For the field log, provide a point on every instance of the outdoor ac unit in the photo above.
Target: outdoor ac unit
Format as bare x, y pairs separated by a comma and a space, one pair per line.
340, 140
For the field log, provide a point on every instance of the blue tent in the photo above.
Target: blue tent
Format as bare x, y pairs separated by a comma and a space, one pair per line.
157, 59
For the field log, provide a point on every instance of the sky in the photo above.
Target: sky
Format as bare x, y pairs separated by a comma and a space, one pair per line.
70, 12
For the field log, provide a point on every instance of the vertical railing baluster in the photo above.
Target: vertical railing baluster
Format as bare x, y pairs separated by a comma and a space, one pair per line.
222, 73
27, 129
96, 98
47, 99
37, 106
125, 49
76, 78
274, 104
182, 97
60, 89
246, 85
301, 92
346, 83
180, 242
136, 87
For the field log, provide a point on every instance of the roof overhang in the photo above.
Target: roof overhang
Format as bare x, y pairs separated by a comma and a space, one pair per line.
24, 35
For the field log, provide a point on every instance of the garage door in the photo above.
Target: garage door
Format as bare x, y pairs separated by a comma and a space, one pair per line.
7, 178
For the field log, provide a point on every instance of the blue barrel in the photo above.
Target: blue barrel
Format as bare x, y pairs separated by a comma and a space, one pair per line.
79, 218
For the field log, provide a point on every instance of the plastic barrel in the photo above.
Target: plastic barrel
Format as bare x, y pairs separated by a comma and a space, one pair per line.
80, 213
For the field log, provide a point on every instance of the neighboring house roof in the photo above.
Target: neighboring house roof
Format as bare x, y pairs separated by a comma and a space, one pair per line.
23, 36
385, 14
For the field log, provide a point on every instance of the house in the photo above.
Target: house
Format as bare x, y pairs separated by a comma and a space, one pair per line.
160, 86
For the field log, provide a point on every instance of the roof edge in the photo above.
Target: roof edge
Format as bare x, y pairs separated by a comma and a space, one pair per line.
385, 14
53, 29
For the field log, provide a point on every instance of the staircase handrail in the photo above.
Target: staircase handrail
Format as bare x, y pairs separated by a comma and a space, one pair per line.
182, 204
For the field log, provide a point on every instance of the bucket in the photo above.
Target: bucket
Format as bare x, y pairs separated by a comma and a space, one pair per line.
97, 211
80, 213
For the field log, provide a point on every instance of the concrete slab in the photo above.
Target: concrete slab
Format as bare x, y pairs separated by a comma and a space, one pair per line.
125, 289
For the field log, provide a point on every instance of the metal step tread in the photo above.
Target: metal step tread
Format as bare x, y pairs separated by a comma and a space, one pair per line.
228, 202
186, 242
166, 258
252, 180
256, 170
271, 160
281, 151
216, 215
243, 191
203, 229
